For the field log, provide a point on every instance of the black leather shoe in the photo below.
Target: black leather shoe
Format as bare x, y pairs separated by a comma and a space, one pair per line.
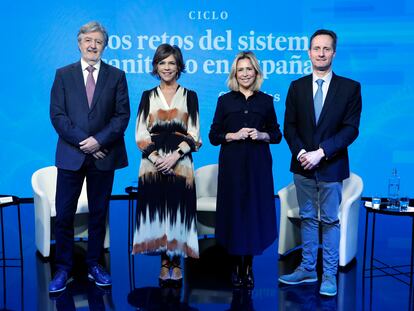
249, 278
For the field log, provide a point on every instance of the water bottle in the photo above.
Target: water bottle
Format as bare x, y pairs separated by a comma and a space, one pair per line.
394, 188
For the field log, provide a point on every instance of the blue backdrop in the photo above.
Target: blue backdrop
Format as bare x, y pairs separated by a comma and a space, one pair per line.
375, 47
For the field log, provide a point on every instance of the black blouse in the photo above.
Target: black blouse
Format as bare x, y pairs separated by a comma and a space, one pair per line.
234, 112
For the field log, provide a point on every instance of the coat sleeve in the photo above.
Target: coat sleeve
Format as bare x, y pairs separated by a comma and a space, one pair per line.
118, 123
348, 131
62, 123
291, 123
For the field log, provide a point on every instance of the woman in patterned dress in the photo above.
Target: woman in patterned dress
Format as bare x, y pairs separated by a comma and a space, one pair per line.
167, 132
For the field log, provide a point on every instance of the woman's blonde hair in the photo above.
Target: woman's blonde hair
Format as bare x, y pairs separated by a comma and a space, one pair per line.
232, 79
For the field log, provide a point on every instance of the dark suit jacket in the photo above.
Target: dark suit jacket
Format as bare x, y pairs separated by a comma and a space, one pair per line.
337, 127
74, 121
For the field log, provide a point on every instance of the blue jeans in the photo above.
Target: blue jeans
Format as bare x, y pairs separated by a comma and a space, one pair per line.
314, 195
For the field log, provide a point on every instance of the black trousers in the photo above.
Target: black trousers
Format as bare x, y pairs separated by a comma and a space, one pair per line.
69, 185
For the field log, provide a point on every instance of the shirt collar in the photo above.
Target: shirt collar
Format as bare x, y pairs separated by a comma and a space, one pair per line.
85, 65
240, 94
326, 78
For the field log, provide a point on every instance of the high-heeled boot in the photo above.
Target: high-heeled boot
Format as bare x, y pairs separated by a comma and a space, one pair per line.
248, 270
236, 276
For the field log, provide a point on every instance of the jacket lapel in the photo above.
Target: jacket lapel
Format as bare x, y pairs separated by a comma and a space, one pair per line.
80, 82
309, 98
329, 100
100, 84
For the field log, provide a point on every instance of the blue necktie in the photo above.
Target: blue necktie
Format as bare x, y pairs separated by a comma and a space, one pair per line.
318, 100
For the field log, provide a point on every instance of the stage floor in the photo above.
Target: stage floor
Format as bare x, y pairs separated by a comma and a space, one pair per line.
206, 281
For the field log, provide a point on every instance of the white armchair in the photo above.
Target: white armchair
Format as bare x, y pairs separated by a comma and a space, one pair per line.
44, 191
206, 189
290, 237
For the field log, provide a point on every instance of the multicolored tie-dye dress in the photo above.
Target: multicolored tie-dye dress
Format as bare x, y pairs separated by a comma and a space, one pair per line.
166, 212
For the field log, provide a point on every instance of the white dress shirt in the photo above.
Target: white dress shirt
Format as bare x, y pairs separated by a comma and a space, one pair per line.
85, 72
325, 86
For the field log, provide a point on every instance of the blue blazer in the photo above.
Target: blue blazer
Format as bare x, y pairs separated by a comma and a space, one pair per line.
337, 127
74, 121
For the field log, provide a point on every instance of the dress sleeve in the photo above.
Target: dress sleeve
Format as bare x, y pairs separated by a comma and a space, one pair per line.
217, 135
142, 134
192, 140
272, 127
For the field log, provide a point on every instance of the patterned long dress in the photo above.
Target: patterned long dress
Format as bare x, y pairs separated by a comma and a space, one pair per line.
166, 213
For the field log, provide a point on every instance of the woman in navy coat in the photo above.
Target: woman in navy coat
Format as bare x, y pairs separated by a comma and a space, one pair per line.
244, 125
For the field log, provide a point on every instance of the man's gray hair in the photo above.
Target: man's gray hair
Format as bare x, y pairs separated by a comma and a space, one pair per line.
93, 27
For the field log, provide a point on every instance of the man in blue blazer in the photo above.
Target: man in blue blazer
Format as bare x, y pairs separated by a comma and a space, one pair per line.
89, 109
321, 120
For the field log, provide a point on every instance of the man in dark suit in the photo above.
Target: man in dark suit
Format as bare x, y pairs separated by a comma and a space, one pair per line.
90, 118
321, 120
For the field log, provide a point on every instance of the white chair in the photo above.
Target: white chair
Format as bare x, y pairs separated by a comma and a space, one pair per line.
206, 189
44, 191
290, 237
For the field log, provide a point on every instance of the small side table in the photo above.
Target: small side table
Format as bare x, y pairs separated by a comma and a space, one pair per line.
132, 192
397, 272
6, 201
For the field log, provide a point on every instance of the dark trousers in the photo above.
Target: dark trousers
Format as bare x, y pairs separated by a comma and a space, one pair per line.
68, 189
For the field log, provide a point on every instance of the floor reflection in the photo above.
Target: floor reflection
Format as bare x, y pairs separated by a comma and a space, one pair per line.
158, 299
306, 297
206, 280
242, 300
206, 283
80, 293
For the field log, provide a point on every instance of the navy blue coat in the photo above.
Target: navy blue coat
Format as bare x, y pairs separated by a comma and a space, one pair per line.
337, 126
74, 121
245, 217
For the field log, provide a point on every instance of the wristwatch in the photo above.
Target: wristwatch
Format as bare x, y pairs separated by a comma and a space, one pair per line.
180, 152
